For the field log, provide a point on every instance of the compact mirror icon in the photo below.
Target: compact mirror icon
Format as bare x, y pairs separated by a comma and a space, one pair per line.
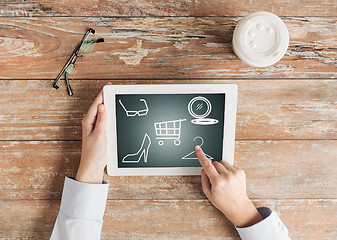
199, 108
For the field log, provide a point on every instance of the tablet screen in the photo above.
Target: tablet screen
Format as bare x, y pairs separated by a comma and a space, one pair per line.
161, 130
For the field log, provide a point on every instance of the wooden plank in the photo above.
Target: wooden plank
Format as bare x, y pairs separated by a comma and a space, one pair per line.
274, 169
180, 47
161, 219
273, 109
164, 8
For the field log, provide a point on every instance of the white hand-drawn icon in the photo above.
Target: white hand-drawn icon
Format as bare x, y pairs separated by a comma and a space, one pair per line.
196, 107
168, 130
142, 152
193, 155
140, 113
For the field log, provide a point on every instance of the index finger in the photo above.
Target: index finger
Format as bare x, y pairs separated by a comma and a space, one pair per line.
206, 163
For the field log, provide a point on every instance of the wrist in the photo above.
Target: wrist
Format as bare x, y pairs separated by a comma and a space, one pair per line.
89, 175
246, 215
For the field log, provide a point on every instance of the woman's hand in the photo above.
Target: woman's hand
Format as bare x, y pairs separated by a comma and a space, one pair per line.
94, 155
225, 186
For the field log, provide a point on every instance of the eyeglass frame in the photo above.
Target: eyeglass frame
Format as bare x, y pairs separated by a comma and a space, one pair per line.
140, 113
72, 60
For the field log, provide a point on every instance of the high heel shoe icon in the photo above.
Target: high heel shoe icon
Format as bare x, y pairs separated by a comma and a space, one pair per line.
142, 152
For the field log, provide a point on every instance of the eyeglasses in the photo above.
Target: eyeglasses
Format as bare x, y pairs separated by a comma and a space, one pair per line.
70, 67
140, 113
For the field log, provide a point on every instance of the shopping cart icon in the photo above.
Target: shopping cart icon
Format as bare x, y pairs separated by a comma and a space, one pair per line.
168, 130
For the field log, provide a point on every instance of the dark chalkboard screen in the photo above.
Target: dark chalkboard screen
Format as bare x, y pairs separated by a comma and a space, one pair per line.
165, 128
153, 129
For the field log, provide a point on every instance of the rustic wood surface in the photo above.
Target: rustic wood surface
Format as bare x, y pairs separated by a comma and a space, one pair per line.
135, 48
165, 8
173, 219
286, 132
275, 169
267, 109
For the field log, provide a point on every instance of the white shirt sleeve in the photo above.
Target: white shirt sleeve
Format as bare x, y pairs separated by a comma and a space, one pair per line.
271, 227
81, 212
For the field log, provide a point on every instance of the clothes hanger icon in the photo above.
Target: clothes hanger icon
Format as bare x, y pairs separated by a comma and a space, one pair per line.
193, 155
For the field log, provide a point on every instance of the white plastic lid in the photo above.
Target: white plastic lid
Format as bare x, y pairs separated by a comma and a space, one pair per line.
260, 39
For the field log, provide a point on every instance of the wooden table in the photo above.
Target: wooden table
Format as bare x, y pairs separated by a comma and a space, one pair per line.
286, 137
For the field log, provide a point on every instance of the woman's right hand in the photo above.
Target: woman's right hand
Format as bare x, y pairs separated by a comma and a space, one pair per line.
225, 186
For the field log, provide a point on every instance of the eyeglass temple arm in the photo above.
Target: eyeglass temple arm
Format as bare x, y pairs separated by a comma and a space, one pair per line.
73, 57
145, 104
120, 102
69, 90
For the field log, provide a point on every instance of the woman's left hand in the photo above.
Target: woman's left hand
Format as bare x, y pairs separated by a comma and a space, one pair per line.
94, 155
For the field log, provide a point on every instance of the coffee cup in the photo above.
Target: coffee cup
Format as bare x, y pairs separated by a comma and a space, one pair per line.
260, 39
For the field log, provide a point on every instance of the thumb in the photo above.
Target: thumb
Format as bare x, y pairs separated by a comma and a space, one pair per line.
102, 117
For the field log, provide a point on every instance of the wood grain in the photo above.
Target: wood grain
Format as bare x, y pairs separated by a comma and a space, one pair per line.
267, 109
161, 219
274, 169
286, 122
135, 48
165, 8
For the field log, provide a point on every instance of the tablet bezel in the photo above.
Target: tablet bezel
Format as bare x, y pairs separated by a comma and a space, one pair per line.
109, 93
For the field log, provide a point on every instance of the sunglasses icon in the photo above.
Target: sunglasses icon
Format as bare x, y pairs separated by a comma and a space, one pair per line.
140, 113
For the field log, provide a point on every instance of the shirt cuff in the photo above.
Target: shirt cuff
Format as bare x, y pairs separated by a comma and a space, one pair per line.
271, 227
84, 200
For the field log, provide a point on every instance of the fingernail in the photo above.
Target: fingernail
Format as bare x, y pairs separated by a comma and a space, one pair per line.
101, 108
197, 147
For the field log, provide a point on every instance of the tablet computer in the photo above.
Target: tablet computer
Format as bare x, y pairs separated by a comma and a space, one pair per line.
153, 129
